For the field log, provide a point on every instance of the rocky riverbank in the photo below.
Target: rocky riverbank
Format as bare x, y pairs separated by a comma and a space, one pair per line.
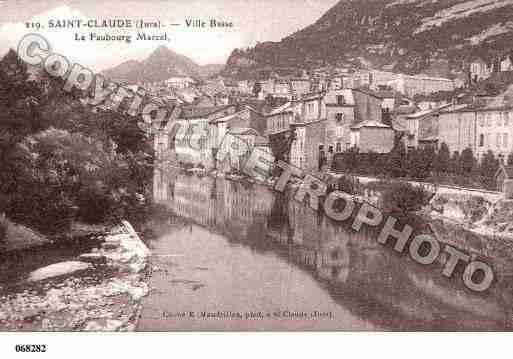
100, 290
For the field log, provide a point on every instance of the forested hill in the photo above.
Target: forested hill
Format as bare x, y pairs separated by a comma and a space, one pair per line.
408, 36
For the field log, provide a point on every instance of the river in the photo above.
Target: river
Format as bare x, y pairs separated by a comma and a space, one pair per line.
243, 258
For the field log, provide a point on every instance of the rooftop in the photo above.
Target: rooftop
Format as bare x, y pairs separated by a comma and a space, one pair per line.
200, 112
369, 123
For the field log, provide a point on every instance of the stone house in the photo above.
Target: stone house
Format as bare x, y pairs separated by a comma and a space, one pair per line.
506, 64
195, 137
422, 127
479, 70
180, 82
300, 87
372, 136
421, 85
344, 109
308, 151
279, 119
483, 126
246, 117
340, 116
457, 128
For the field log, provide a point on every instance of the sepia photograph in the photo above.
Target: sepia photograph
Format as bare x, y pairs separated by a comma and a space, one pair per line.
255, 166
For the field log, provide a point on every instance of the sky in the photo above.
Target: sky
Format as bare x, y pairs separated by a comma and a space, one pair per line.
254, 21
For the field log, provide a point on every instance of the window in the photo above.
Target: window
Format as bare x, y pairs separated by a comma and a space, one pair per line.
339, 147
498, 140
481, 140
481, 120
339, 117
340, 100
505, 140
499, 121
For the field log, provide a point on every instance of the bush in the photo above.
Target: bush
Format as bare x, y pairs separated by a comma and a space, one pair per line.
404, 198
69, 177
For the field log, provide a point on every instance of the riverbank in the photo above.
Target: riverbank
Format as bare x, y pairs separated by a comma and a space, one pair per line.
98, 290
247, 248
479, 222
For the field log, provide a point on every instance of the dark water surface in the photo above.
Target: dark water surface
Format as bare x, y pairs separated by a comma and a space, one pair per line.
247, 259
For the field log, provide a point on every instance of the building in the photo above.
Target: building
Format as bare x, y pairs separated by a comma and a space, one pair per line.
506, 64
195, 137
346, 108
300, 87
341, 115
308, 148
457, 128
280, 119
422, 127
481, 129
180, 82
372, 136
479, 70
421, 85
308, 151
245, 118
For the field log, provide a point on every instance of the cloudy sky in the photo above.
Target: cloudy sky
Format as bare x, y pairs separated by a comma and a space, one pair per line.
254, 20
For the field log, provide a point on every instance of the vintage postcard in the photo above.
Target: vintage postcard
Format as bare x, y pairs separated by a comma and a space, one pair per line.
256, 165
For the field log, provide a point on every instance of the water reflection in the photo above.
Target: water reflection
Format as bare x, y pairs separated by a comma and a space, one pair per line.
372, 282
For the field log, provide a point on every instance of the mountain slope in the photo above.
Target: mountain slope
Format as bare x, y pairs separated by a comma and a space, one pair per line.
401, 35
162, 64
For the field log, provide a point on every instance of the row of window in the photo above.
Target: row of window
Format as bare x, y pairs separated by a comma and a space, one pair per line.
503, 119
501, 140
279, 123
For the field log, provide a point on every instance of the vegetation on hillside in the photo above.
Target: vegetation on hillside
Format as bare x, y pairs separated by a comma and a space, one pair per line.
390, 33
63, 161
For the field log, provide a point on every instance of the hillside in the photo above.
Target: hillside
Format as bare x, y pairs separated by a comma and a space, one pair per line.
160, 65
408, 36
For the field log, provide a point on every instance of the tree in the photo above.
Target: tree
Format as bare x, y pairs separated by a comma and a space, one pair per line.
443, 159
455, 163
420, 162
404, 198
488, 168
397, 160
351, 156
467, 162
64, 176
